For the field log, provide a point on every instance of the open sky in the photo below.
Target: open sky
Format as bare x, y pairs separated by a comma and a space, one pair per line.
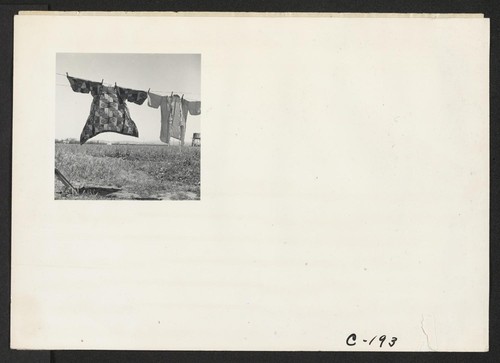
162, 73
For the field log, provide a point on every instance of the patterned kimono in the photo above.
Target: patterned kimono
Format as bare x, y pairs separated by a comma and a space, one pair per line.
108, 112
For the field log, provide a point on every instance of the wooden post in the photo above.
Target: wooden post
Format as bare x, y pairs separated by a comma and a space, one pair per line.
66, 181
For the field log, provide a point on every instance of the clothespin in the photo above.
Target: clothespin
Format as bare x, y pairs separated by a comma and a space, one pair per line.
102, 81
149, 90
115, 84
171, 94
182, 97
67, 75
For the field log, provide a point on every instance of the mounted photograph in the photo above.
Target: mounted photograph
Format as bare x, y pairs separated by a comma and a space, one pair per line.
341, 204
127, 126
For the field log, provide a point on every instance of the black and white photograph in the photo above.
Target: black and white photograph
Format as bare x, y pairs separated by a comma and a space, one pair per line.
127, 126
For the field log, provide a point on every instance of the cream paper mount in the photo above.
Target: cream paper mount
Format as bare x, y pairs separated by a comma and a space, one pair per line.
344, 190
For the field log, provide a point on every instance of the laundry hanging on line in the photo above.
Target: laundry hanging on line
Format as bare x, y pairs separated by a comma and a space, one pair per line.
194, 108
174, 111
178, 124
156, 101
109, 111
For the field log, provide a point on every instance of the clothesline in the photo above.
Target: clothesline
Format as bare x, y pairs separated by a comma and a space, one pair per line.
157, 91
109, 111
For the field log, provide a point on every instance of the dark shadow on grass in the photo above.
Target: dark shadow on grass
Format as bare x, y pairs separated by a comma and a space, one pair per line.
98, 190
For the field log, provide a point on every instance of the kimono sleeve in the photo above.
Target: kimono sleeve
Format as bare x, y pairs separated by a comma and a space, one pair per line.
154, 101
194, 107
82, 85
132, 95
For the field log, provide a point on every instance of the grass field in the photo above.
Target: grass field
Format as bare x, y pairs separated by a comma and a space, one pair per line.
136, 171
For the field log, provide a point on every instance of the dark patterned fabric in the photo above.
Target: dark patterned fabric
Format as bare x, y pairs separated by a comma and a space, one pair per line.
108, 112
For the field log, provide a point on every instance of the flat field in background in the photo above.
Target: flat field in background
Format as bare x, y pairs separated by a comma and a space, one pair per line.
136, 171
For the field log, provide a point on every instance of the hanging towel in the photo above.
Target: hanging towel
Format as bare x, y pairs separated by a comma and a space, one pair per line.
156, 101
108, 111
